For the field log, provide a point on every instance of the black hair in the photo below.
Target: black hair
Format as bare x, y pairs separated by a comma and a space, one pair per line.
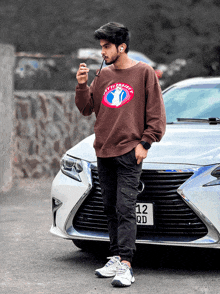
115, 33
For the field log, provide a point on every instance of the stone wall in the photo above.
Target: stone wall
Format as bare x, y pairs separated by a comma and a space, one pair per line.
47, 124
7, 59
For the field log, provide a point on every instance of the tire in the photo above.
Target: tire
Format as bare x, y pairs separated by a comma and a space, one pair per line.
91, 246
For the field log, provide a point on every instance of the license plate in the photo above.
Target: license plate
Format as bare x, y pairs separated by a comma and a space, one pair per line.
144, 214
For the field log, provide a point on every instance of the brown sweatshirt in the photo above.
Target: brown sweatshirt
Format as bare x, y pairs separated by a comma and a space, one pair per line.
129, 109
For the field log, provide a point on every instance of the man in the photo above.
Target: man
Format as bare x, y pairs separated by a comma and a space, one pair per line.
130, 116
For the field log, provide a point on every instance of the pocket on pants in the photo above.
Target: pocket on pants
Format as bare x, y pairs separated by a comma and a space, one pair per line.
129, 197
129, 158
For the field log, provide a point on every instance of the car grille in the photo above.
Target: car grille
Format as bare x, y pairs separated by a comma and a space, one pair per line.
173, 218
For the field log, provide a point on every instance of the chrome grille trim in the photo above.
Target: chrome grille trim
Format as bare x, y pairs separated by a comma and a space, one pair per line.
174, 219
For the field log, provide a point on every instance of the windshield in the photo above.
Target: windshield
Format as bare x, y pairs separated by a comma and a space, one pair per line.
196, 101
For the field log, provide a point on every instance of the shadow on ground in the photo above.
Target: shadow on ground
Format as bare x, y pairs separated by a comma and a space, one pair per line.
161, 257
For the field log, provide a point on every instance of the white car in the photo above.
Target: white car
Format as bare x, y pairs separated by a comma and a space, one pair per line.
179, 203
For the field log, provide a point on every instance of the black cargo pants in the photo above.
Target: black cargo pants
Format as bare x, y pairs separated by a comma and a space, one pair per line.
119, 179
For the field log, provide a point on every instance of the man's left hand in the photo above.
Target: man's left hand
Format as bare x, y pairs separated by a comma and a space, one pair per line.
140, 153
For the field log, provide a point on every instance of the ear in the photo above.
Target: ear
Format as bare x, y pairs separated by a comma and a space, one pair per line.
122, 47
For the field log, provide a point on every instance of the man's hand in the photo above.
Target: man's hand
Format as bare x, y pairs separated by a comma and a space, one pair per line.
140, 153
82, 73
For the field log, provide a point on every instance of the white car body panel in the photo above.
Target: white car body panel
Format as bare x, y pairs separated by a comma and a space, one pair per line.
62, 187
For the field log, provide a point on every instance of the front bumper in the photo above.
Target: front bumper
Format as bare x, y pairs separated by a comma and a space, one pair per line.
203, 201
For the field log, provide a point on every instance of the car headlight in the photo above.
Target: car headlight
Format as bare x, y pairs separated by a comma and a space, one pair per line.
215, 173
71, 167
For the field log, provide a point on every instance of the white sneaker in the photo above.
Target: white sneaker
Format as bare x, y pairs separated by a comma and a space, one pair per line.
109, 270
124, 276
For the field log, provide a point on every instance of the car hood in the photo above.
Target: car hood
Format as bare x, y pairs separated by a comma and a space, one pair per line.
197, 144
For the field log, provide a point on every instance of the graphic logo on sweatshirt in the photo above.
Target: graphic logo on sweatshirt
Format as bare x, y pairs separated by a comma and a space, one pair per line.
117, 95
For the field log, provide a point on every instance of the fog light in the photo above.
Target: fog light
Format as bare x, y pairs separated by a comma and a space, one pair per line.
56, 204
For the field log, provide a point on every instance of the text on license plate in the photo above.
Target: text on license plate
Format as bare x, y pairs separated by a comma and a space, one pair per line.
144, 214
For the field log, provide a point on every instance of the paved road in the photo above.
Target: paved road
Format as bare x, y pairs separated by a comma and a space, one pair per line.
34, 261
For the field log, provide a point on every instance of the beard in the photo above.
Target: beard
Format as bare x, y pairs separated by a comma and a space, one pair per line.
112, 60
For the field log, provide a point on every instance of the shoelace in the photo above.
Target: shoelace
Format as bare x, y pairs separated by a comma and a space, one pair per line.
112, 260
122, 269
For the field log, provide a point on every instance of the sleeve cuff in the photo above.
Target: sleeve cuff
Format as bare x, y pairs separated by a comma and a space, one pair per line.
82, 86
146, 145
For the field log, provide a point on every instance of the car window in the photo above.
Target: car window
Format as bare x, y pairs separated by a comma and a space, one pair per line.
197, 101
